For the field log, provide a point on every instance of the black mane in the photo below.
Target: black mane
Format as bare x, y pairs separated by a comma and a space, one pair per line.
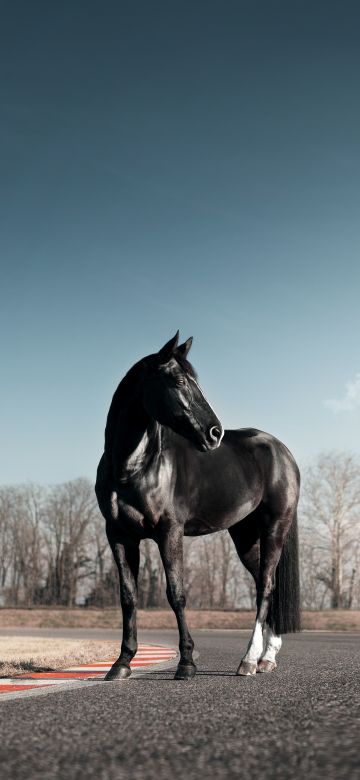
185, 365
125, 390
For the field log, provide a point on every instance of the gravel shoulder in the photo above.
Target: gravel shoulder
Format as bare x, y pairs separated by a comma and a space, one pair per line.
19, 654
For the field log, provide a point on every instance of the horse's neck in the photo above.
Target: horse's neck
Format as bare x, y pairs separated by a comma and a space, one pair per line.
137, 444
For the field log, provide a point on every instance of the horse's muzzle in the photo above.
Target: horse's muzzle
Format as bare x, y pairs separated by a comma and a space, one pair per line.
213, 437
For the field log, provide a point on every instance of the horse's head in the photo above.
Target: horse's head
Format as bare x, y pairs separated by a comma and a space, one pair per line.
172, 396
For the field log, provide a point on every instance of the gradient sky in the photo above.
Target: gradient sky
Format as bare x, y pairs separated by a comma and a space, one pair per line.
165, 165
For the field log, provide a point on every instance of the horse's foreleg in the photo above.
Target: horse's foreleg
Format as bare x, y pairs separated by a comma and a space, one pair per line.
171, 551
127, 560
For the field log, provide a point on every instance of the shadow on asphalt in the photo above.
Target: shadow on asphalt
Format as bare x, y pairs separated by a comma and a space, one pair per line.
170, 675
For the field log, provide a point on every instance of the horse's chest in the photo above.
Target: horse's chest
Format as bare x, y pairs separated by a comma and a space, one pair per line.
139, 505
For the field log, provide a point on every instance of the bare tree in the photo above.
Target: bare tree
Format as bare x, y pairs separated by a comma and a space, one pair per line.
152, 586
214, 576
21, 543
105, 588
6, 536
330, 512
70, 512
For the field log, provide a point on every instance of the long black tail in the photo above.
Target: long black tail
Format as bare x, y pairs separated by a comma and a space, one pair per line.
284, 611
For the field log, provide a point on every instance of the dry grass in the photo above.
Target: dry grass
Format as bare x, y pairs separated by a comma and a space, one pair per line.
331, 620
35, 654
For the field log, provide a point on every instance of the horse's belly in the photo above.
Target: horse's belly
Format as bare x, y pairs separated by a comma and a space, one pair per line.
218, 519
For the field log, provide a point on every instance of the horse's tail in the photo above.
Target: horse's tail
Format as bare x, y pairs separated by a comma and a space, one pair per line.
284, 611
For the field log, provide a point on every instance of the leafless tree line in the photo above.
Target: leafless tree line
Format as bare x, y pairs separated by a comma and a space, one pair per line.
53, 548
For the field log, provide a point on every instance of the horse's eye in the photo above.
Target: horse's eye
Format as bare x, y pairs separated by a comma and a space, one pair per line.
180, 381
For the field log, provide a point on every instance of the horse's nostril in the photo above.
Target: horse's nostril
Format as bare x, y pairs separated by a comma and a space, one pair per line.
215, 433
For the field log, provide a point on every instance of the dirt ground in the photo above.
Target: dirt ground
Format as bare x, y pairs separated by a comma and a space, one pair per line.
330, 620
31, 654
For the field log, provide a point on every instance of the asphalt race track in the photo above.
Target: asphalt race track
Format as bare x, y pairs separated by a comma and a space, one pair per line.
302, 721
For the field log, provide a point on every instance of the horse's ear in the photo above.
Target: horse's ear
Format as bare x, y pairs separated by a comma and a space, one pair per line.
167, 351
184, 348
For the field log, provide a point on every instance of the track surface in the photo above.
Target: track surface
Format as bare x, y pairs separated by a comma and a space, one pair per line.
299, 722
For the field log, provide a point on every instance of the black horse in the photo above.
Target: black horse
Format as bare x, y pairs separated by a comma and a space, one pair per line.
169, 470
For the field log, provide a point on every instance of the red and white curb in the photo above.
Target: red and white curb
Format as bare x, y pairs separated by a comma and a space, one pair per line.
147, 658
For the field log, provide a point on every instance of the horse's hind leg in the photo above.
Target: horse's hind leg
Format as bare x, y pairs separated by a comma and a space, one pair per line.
273, 531
127, 560
273, 644
246, 537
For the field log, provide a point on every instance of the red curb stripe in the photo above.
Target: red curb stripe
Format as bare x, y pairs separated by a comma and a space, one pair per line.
74, 674
148, 655
11, 688
56, 675
140, 662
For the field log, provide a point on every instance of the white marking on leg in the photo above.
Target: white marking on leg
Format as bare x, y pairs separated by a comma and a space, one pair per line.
273, 643
255, 646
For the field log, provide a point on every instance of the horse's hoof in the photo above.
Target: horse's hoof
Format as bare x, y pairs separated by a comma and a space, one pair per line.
266, 666
185, 672
118, 672
246, 669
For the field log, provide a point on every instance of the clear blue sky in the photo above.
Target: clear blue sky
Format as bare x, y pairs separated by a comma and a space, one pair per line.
165, 165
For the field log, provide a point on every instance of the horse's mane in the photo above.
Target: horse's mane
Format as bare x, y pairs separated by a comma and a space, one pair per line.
185, 365
129, 383
124, 391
